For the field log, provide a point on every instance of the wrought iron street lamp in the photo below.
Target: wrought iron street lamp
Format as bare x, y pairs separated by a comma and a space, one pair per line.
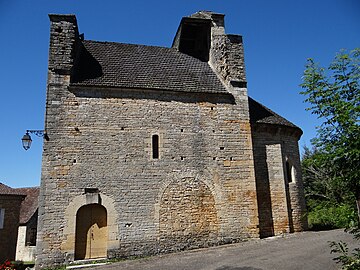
26, 139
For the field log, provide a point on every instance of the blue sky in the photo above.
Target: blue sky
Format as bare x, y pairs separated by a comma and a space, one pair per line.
278, 36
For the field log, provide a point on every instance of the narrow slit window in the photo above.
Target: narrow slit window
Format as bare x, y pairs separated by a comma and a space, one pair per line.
155, 146
288, 172
2, 215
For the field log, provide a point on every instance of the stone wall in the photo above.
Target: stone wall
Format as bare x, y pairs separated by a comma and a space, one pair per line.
226, 52
277, 187
24, 252
63, 40
188, 216
227, 57
281, 202
9, 232
105, 143
26, 244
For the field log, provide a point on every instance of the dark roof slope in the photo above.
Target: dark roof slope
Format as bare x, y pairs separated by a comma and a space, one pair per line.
109, 64
30, 204
119, 65
6, 190
263, 115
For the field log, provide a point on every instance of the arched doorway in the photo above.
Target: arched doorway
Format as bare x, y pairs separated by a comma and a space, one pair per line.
91, 232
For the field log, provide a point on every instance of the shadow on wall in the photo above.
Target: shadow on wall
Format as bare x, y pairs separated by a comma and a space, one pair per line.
266, 224
166, 95
87, 67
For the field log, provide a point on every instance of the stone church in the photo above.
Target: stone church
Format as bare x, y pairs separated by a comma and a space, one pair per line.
155, 150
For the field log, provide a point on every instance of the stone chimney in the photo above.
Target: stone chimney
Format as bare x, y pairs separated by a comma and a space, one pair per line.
63, 40
202, 35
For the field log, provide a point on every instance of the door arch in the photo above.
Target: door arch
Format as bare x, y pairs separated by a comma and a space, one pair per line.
91, 232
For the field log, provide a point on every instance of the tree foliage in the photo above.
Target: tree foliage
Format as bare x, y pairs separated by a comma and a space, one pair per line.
321, 182
333, 93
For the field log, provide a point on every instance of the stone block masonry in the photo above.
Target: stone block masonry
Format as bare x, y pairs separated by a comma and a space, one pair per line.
185, 199
281, 200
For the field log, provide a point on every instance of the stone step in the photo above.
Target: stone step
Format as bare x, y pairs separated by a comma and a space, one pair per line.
87, 263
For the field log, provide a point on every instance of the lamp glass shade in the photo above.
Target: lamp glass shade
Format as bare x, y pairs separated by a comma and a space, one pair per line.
26, 141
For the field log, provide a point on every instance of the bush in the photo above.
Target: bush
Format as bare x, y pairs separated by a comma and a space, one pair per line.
325, 216
349, 260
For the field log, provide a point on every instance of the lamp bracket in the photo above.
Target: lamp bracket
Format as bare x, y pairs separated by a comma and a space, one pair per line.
39, 133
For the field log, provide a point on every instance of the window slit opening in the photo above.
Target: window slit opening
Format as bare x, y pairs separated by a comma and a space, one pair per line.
155, 146
288, 172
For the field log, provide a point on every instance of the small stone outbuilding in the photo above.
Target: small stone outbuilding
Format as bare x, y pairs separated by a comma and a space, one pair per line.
10, 202
26, 242
155, 150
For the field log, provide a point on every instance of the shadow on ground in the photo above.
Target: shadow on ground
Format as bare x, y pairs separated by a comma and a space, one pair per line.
237, 268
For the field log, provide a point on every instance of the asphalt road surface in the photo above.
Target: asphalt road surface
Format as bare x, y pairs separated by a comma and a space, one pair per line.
305, 250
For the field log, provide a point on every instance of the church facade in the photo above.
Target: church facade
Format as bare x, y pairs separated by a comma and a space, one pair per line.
155, 150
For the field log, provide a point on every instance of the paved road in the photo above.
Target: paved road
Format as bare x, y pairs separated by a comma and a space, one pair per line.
306, 250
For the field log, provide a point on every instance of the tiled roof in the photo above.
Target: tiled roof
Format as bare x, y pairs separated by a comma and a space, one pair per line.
263, 115
6, 190
30, 204
109, 64
119, 65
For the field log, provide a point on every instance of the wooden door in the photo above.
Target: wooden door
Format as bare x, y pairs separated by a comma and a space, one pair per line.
91, 232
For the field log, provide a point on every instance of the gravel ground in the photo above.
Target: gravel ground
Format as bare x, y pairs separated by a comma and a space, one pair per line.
305, 250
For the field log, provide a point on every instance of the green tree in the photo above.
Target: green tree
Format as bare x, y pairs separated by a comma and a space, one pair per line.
329, 204
333, 94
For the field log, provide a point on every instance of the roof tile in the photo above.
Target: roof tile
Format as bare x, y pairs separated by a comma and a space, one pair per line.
110, 64
263, 115
30, 204
6, 190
